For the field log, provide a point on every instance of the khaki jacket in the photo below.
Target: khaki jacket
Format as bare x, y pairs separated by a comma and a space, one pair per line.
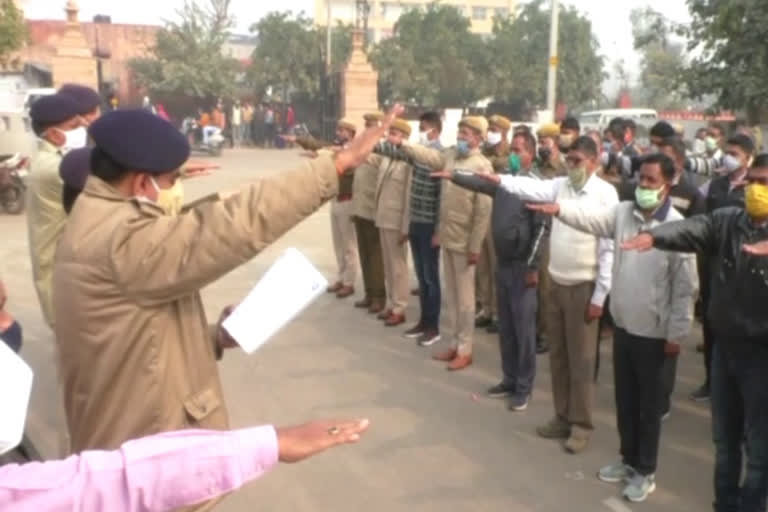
45, 221
464, 215
498, 155
364, 188
393, 193
136, 352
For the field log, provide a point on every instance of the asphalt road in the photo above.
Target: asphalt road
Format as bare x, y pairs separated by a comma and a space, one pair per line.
436, 444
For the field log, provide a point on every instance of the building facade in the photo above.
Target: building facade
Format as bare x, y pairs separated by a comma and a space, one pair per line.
385, 13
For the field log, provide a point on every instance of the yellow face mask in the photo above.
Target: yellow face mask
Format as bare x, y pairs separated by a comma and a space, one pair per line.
756, 199
171, 199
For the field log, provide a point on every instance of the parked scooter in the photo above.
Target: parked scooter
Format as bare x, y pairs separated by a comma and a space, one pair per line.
13, 172
213, 144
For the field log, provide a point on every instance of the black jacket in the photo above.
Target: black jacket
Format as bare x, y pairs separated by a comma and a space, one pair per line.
738, 281
518, 233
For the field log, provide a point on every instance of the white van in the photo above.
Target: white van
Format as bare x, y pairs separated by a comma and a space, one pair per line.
599, 119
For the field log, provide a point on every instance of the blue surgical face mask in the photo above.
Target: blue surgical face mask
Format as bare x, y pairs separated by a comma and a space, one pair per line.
462, 146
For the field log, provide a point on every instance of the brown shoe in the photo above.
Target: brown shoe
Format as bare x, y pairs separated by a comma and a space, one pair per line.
394, 320
364, 304
555, 429
459, 363
335, 287
578, 440
376, 307
445, 356
344, 292
416, 292
386, 313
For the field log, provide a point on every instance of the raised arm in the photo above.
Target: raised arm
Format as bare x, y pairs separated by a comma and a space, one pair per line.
474, 182
696, 234
593, 219
428, 157
529, 189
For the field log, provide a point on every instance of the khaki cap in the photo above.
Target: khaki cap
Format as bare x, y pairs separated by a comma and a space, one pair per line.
401, 125
374, 116
347, 124
500, 122
477, 123
549, 130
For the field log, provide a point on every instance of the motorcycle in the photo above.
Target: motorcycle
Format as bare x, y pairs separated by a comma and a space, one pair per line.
13, 172
194, 132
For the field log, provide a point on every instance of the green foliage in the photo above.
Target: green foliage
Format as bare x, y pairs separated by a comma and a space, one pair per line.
432, 59
662, 60
521, 47
728, 40
188, 58
13, 31
290, 53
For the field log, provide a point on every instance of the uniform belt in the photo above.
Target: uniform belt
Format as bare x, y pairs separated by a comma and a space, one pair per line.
344, 197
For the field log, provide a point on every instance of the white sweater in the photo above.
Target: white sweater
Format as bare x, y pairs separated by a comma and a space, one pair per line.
575, 257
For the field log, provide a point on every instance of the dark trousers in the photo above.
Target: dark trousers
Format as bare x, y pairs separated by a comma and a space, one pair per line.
637, 371
371, 259
426, 259
517, 326
706, 330
668, 377
740, 418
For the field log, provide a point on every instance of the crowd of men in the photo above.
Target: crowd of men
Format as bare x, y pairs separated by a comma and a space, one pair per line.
535, 233
534, 225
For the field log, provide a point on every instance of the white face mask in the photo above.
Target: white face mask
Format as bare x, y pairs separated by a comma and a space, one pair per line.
731, 163
493, 138
424, 137
75, 139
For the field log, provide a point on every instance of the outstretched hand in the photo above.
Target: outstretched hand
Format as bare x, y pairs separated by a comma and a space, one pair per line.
642, 242
756, 249
301, 442
546, 208
445, 174
358, 150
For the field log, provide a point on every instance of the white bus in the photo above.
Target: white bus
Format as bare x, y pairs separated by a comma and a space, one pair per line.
599, 119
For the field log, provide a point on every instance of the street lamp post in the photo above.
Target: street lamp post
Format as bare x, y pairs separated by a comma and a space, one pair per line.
328, 45
553, 60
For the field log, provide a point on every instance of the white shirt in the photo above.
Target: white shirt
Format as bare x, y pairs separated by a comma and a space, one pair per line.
597, 192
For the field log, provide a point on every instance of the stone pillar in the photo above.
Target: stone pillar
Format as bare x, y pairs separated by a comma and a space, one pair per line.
359, 84
74, 60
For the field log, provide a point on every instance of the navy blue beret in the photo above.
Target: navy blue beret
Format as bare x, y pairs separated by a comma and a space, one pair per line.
139, 140
54, 109
75, 167
87, 98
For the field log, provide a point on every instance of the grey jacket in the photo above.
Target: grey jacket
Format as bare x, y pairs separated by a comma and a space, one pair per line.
653, 292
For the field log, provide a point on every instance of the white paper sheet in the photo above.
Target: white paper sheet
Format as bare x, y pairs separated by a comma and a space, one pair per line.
288, 287
16, 386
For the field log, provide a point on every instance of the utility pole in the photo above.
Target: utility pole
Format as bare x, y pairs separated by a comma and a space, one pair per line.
553, 60
328, 45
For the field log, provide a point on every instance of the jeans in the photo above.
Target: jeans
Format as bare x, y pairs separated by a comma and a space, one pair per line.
426, 259
638, 365
739, 390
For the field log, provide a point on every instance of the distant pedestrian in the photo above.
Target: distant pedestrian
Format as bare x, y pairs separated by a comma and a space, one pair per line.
236, 120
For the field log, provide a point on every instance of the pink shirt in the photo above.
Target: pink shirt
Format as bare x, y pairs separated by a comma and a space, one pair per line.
155, 473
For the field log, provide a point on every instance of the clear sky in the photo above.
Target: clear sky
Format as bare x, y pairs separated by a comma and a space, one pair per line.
610, 19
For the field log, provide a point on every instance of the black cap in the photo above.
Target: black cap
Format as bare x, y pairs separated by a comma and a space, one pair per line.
139, 140
54, 109
75, 168
87, 98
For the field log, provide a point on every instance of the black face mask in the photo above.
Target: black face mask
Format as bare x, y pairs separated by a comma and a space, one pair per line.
12, 336
545, 154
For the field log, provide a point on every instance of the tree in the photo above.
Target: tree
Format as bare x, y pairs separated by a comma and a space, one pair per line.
290, 53
662, 59
728, 41
522, 46
188, 58
432, 59
13, 31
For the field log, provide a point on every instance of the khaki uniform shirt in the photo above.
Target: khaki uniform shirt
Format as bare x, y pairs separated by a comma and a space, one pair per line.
45, 220
136, 352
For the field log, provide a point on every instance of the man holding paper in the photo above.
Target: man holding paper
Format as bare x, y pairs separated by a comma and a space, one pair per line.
137, 355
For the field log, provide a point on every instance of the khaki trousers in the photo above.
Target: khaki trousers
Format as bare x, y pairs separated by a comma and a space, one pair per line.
572, 352
486, 277
344, 241
543, 292
395, 270
369, 246
460, 300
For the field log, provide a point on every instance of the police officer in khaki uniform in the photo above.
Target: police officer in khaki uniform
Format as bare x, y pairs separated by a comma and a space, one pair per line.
497, 151
136, 352
462, 226
368, 238
393, 220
